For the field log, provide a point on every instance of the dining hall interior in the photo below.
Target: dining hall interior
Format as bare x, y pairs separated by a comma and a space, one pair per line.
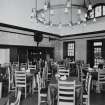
52, 52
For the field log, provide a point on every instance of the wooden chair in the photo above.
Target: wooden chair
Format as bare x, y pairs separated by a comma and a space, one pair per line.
42, 92
16, 101
66, 92
86, 93
61, 67
14, 67
63, 72
11, 81
21, 81
85, 66
24, 65
32, 67
16, 63
101, 80
49, 72
81, 76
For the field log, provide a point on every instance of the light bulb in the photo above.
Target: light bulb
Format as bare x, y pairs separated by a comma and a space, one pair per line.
78, 22
45, 7
85, 15
84, 24
68, 4
32, 14
94, 20
70, 24
84, 19
66, 10
79, 11
90, 7
51, 11
60, 25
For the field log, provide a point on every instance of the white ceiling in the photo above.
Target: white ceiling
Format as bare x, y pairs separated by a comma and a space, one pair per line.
17, 12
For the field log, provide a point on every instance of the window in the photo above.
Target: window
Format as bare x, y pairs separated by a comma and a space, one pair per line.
104, 10
97, 43
97, 11
97, 52
71, 50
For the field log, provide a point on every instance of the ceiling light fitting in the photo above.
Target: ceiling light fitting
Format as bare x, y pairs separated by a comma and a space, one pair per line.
64, 14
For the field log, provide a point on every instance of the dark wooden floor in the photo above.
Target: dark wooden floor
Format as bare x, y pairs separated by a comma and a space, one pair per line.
95, 99
30, 100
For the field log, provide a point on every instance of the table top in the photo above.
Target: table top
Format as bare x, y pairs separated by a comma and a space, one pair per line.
78, 83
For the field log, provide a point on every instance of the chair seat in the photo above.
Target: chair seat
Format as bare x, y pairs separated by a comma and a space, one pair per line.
43, 90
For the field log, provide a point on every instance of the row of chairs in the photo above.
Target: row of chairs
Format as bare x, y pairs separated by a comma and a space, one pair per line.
66, 92
101, 80
17, 99
17, 76
97, 84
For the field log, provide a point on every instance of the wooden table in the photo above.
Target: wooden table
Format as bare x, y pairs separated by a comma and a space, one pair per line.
52, 91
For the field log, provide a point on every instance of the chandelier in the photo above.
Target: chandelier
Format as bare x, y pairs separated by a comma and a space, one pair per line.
63, 14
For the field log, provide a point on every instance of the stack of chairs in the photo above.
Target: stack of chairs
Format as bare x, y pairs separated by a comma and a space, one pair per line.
66, 92
14, 100
21, 81
11, 81
100, 84
42, 92
32, 69
86, 92
81, 75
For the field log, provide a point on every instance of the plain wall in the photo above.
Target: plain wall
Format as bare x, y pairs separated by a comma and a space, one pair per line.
4, 55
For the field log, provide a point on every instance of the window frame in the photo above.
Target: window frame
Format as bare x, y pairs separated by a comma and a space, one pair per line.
94, 10
71, 50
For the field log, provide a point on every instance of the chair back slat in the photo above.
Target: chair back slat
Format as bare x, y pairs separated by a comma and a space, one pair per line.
101, 76
20, 78
66, 92
86, 96
63, 72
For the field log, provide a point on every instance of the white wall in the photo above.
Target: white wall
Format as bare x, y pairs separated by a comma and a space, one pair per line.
80, 49
4, 55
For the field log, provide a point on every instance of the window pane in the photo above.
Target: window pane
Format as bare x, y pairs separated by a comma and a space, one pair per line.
97, 43
71, 49
103, 10
98, 11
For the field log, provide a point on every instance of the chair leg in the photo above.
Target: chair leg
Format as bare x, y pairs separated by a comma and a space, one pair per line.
25, 92
38, 100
